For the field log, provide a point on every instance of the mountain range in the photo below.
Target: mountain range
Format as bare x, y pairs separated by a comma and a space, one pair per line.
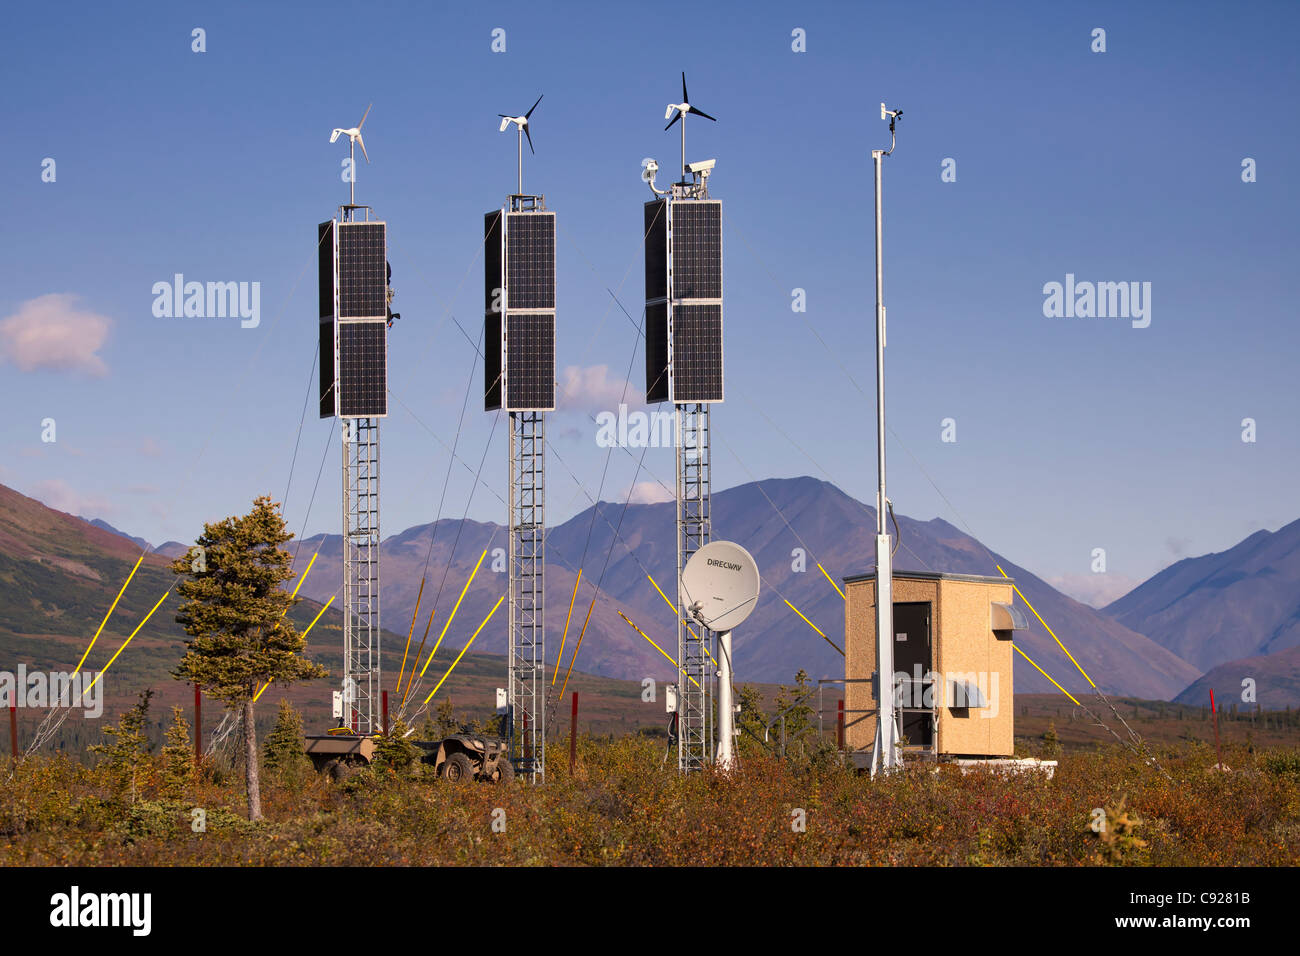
1207, 621
772, 519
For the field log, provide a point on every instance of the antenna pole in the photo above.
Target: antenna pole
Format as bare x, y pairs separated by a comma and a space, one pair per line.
726, 711
520, 138
352, 171
884, 754
683, 147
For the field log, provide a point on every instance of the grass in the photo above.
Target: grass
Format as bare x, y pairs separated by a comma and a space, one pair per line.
621, 808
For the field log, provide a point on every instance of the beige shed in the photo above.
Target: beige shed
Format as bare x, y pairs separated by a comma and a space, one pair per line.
952, 663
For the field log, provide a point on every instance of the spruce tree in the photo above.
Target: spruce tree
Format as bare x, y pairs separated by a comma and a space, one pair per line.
130, 744
235, 612
282, 754
178, 760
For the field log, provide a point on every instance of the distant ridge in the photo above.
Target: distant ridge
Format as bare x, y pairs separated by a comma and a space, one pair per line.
832, 527
1240, 603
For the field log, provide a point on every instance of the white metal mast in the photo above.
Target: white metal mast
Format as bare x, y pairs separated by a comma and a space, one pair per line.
885, 754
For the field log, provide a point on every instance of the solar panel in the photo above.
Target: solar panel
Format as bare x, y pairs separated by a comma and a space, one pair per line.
656, 352
530, 361
491, 362
363, 270
530, 260
492, 279
697, 250
325, 273
697, 353
656, 249
363, 369
326, 362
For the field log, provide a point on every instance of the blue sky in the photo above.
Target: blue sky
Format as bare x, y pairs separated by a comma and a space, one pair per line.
1072, 434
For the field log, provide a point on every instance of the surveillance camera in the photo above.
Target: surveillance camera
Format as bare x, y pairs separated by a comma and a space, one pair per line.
649, 164
703, 166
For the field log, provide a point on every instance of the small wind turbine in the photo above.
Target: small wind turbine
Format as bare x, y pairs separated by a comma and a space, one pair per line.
354, 137
682, 109
521, 122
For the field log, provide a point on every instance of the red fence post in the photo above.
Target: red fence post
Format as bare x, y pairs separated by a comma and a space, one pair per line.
384, 696
573, 736
1214, 710
839, 724
13, 731
198, 724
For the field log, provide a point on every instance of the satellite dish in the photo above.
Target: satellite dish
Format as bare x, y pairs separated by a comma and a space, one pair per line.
720, 583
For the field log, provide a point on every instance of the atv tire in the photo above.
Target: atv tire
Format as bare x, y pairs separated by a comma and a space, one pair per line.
458, 768
505, 771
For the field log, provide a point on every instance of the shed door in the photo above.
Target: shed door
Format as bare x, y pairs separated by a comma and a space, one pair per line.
912, 645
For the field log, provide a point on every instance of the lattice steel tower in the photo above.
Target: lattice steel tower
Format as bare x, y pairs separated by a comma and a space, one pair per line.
519, 377
683, 291
354, 316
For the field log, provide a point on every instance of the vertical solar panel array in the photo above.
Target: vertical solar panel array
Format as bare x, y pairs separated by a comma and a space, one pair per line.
363, 274
519, 311
325, 287
363, 369
530, 361
493, 300
683, 282
697, 250
353, 288
530, 260
655, 221
656, 250
697, 353
656, 352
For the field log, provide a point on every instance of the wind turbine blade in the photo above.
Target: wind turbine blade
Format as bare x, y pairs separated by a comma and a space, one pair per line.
363, 117
504, 115
676, 117
533, 107
529, 136
685, 98
362, 143
702, 113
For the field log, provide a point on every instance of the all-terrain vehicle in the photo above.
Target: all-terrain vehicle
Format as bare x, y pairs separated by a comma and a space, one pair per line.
469, 756
455, 758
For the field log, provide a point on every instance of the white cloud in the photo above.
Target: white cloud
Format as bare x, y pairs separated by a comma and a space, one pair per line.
647, 493
1096, 590
591, 389
52, 332
58, 494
